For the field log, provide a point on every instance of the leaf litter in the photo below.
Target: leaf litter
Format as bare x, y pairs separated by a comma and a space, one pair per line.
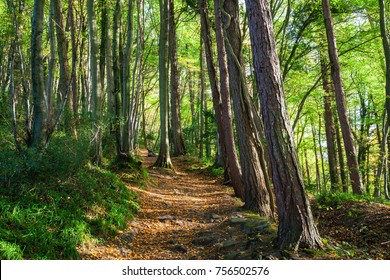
187, 214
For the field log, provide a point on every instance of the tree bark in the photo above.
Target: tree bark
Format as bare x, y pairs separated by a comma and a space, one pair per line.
318, 173
216, 96
127, 54
177, 137
164, 159
116, 78
40, 128
343, 175
51, 66
231, 155
74, 60
296, 223
258, 197
386, 50
64, 82
346, 131
203, 101
95, 87
330, 130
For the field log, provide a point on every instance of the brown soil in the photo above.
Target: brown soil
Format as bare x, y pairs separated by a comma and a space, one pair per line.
356, 230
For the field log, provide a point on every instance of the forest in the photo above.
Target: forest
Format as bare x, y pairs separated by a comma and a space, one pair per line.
194, 129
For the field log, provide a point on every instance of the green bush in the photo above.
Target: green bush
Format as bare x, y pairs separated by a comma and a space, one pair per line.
50, 221
217, 171
64, 157
335, 199
53, 202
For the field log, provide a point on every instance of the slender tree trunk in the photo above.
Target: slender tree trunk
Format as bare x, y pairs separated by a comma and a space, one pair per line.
52, 65
318, 173
109, 71
352, 162
363, 148
40, 125
192, 107
12, 96
178, 142
232, 160
216, 97
296, 223
382, 157
386, 50
74, 60
95, 87
321, 151
340, 153
138, 89
108, 62
164, 158
330, 128
102, 48
64, 82
116, 77
127, 54
203, 101
307, 168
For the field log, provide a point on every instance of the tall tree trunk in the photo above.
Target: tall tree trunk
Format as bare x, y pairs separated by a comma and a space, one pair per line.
216, 96
116, 78
258, 197
103, 47
350, 150
177, 137
386, 50
329, 128
343, 175
95, 88
203, 101
74, 60
127, 54
109, 72
164, 158
40, 128
321, 150
318, 173
231, 155
52, 65
296, 223
307, 167
364, 145
12, 94
192, 107
64, 82
139, 94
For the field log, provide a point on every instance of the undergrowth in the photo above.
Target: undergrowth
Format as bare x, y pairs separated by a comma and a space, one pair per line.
335, 199
53, 202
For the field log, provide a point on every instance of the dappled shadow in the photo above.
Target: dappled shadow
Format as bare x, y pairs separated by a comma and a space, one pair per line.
183, 215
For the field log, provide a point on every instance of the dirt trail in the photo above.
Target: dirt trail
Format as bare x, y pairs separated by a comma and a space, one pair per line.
183, 215
188, 214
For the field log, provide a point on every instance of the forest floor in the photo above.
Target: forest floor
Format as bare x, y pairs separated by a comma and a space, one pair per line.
187, 214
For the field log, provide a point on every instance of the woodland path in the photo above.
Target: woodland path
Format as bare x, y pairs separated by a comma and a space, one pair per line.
187, 214
183, 215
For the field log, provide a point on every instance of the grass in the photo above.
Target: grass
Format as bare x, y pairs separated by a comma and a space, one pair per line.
51, 203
